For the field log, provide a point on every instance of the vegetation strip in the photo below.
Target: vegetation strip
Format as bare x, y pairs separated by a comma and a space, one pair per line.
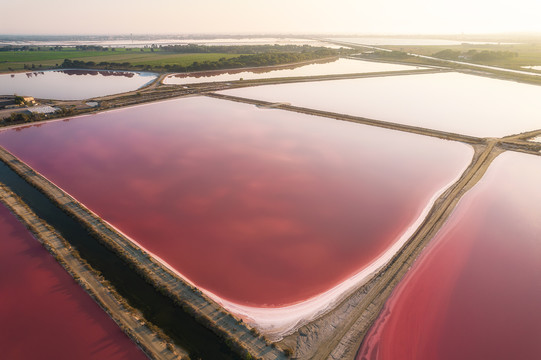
127, 318
243, 340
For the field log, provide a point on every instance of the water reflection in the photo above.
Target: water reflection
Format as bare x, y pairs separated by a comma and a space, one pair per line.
72, 84
332, 67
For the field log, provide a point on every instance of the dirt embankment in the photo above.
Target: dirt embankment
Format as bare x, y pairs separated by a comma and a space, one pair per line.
356, 119
127, 318
238, 335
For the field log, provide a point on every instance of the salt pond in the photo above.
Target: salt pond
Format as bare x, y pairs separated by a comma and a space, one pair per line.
72, 84
451, 102
340, 66
262, 209
474, 292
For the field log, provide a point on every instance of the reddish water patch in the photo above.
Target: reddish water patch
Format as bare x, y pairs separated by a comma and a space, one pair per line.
44, 313
261, 207
474, 293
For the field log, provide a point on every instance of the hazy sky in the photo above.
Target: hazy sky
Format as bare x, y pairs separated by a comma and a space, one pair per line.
273, 16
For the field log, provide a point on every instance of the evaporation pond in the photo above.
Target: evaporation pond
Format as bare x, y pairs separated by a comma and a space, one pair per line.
72, 84
335, 67
474, 292
451, 102
260, 207
44, 313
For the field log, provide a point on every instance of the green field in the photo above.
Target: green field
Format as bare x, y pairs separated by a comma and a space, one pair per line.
43, 59
528, 54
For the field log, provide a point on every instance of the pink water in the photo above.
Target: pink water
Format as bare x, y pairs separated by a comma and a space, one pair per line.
474, 293
44, 313
261, 207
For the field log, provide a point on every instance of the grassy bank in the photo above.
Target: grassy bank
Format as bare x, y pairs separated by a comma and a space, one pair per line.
523, 54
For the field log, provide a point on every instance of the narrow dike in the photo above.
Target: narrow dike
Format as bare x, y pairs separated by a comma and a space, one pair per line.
345, 343
159, 309
350, 118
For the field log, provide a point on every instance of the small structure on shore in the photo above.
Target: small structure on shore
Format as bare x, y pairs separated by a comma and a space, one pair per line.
45, 109
29, 100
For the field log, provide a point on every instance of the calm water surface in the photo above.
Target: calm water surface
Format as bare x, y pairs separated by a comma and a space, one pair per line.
45, 314
407, 41
131, 43
261, 207
72, 84
340, 66
474, 293
452, 102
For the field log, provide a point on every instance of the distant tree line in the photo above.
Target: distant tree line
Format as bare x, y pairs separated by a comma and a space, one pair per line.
79, 64
394, 54
184, 49
91, 48
255, 60
474, 55
243, 49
